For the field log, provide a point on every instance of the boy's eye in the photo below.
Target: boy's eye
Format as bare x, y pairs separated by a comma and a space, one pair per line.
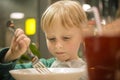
51, 39
66, 38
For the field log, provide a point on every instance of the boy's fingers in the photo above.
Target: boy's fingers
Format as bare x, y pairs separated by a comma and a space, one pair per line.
18, 32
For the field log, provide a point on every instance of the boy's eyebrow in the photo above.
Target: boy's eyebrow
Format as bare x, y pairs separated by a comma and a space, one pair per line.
49, 36
68, 35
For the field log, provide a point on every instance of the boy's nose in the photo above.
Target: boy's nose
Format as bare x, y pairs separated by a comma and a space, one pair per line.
58, 45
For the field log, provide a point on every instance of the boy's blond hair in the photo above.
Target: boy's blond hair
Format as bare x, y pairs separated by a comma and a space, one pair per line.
69, 12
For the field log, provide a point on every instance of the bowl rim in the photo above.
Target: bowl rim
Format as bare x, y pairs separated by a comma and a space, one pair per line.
78, 70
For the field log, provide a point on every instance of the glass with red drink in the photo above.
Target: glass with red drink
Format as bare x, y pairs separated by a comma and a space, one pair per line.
102, 54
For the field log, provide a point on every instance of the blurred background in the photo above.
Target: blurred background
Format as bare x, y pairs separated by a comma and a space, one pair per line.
27, 13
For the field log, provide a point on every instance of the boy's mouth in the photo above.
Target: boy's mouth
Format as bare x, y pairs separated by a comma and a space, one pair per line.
60, 53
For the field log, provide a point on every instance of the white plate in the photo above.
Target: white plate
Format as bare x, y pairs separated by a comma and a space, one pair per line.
57, 74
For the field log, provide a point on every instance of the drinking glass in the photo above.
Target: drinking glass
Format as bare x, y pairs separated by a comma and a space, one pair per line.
102, 54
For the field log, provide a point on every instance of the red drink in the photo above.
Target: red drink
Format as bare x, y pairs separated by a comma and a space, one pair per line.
103, 57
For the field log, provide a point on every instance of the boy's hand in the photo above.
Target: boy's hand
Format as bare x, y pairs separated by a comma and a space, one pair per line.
19, 45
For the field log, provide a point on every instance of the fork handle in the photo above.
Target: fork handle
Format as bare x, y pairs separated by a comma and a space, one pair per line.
30, 54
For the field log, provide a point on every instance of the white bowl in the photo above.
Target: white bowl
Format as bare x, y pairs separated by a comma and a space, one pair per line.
56, 74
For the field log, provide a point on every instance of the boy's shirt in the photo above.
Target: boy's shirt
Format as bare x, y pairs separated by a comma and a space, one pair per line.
79, 63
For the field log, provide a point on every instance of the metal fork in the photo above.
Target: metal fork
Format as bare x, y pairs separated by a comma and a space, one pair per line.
39, 66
